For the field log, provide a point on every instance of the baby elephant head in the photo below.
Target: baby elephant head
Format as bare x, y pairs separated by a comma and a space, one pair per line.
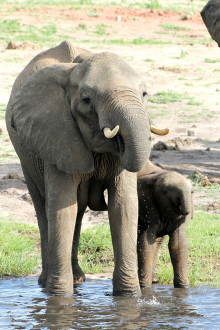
172, 193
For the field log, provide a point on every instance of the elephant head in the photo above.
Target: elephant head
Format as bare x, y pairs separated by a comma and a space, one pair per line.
171, 194
66, 112
211, 17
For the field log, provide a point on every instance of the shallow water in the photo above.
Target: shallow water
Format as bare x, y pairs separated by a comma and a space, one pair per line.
25, 305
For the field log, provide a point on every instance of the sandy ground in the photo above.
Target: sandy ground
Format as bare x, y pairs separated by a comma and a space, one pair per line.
178, 62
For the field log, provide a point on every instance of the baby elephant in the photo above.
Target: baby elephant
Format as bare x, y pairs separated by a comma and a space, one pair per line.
165, 206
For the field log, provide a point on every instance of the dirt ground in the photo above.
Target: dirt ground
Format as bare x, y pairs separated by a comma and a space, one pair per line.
182, 62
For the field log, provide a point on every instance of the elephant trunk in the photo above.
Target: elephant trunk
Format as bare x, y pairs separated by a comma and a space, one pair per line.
133, 136
184, 202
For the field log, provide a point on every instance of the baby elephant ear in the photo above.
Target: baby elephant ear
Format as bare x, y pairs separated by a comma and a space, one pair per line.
44, 124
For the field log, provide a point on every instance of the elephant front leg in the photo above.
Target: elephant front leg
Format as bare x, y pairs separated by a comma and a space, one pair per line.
146, 249
123, 217
61, 210
159, 242
178, 248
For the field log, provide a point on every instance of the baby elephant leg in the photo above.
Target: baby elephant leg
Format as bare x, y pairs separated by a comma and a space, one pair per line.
178, 248
146, 249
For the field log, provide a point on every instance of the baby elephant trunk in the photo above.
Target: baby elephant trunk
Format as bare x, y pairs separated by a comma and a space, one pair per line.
183, 200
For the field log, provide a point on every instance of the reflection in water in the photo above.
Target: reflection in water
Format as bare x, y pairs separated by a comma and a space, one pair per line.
25, 305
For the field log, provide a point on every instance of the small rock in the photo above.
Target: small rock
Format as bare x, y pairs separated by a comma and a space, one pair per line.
11, 45
214, 205
194, 126
189, 141
179, 145
7, 140
82, 25
160, 146
215, 180
207, 149
191, 133
118, 18
206, 182
26, 197
3, 130
11, 176
185, 17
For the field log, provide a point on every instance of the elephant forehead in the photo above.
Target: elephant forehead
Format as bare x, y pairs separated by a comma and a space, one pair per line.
115, 74
173, 179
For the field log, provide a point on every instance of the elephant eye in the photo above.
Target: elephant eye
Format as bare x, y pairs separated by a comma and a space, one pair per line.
164, 192
86, 100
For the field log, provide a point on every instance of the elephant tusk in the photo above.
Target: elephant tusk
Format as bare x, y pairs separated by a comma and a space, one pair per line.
110, 133
158, 131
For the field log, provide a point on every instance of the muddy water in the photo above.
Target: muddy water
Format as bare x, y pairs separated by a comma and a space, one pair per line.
25, 305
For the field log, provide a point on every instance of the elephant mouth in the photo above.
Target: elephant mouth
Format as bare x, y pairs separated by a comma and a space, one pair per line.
121, 145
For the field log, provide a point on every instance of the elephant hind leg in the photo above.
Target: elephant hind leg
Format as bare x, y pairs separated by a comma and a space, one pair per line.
39, 205
78, 274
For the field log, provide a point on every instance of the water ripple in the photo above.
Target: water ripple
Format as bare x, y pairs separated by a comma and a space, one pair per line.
25, 305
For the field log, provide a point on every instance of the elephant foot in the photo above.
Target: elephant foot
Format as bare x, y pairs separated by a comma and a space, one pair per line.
154, 278
60, 285
78, 274
42, 280
127, 287
181, 286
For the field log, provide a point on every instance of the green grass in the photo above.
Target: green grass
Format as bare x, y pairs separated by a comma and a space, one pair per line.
211, 60
174, 27
96, 255
193, 102
94, 15
136, 41
2, 110
149, 60
100, 29
165, 97
12, 29
18, 253
153, 4
95, 250
204, 252
169, 95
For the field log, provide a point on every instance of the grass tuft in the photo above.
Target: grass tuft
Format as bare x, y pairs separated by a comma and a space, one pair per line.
95, 250
174, 27
18, 249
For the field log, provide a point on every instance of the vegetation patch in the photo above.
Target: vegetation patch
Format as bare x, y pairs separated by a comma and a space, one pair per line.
167, 96
174, 27
95, 250
204, 247
19, 248
164, 97
211, 60
25, 32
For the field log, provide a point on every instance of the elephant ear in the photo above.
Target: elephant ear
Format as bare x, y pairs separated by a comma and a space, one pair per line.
211, 17
45, 126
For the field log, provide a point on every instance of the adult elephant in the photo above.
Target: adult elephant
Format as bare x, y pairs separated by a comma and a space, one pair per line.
211, 17
70, 124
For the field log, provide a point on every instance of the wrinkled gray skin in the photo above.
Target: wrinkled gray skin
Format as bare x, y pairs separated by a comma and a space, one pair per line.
55, 118
165, 206
211, 17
